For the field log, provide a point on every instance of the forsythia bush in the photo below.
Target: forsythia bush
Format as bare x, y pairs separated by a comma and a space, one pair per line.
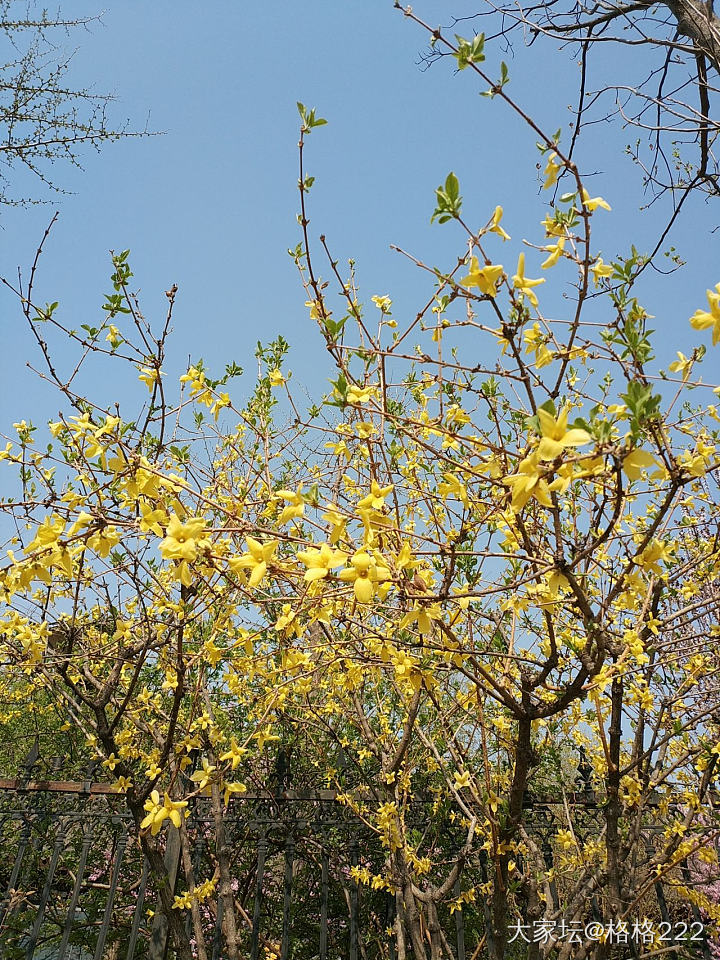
487, 553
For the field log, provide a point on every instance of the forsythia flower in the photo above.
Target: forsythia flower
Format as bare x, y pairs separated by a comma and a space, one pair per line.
158, 813
565, 839
184, 540
592, 203
113, 336
462, 780
556, 436
231, 789
484, 278
295, 507
150, 377
382, 303
704, 320
552, 171
376, 498
256, 559
359, 394
204, 777
528, 482
495, 224
525, 284
235, 754
637, 461
320, 561
555, 252
682, 365
364, 574
600, 270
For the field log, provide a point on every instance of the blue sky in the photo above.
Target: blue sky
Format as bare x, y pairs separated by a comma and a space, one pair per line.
211, 204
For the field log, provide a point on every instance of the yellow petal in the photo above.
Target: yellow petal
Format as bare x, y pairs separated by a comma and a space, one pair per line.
575, 438
549, 448
364, 590
258, 573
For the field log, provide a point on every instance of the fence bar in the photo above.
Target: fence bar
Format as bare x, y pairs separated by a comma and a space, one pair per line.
287, 897
198, 849
354, 905
5, 907
459, 926
137, 916
257, 906
489, 930
104, 929
390, 923
704, 946
70, 918
47, 888
324, 892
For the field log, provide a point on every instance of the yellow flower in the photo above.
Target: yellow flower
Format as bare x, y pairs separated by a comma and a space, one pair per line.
183, 541
462, 780
682, 365
553, 228
525, 284
150, 377
375, 500
702, 320
555, 435
359, 394
276, 378
423, 616
551, 171
113, 336
495, 224
158, 813
232, 788
593, 203
104, 540
235, 754
565, 839
364, 574
295, 507
152, 520
320, 561
382, 303
256, 559
364, 430
555, 252
337, 522
484, 278
653, 553
316, 309
528, 482
453, 487
600, 270
637, 461
204, 777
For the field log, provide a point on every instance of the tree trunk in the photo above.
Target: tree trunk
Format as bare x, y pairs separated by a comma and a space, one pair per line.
697, 21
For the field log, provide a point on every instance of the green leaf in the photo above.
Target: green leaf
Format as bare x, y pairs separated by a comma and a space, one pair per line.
469, 51
449, 201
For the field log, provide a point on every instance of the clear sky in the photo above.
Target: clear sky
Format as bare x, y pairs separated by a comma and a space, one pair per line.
211, 204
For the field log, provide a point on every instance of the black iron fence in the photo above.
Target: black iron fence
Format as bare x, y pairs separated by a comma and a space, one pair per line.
74, 884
